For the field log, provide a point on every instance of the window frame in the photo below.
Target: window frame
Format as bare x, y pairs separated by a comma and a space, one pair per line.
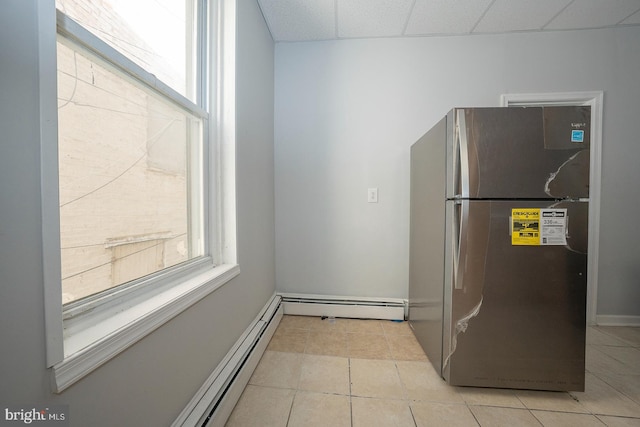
87, 333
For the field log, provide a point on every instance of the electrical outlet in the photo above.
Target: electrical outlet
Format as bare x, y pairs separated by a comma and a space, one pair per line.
372, 195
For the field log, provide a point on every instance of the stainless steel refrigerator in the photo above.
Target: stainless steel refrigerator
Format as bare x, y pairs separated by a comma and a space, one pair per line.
498, 246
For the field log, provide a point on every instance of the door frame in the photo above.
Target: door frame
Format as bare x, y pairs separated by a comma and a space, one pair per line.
594, 100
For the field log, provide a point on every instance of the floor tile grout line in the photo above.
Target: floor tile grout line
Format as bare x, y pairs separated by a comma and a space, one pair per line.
473, 414
350, 392
291, 408
604, 380
599, 349
391, 355
611, 334
537, 419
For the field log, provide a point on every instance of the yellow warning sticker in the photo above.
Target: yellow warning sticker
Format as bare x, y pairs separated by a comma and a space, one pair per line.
525, 226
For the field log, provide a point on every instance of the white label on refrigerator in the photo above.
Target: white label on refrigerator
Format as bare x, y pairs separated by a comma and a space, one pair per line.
553, 226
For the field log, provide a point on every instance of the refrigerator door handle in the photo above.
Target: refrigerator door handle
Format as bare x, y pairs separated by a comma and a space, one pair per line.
460, 249
463, 153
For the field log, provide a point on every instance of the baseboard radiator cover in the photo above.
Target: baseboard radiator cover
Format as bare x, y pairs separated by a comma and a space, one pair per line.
341, 306
213, 403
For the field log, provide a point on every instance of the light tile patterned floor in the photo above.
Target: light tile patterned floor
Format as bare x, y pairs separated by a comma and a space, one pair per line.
373, 373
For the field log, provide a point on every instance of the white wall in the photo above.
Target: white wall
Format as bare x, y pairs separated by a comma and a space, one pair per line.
347, 112
150, 383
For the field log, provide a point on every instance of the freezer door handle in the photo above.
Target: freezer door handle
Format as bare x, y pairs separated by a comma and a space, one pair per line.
461, 221
463, 154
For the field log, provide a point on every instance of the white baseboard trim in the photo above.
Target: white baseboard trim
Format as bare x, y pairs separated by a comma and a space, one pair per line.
341, 306
615, 320
213, 403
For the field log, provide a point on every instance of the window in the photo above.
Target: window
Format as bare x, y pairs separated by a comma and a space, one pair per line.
139, 232
130, 158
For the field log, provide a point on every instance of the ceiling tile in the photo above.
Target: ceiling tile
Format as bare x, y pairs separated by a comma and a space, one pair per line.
519, 15
295, 20
633, 19
445, 16
594, 14
308, 20
372, 18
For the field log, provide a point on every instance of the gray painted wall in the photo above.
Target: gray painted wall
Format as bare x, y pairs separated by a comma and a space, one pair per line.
150, 383
347, 112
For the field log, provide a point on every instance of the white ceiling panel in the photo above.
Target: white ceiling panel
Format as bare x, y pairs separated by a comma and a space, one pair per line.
445, 16
295, 20
594, 14
372, 18
519, 15
632, 20
305, 20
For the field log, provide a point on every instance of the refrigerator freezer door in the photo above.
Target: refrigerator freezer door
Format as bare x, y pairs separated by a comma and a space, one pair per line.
518, 318
521, 153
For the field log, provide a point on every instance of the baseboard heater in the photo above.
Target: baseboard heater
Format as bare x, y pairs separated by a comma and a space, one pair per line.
214, 402
349, 307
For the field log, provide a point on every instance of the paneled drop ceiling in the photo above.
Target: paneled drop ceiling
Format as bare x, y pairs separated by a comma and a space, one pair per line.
306, 20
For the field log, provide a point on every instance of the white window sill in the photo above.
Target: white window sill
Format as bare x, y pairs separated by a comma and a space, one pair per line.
95, 342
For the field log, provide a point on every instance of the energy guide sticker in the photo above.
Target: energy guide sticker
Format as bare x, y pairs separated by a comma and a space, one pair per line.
535, 227
525, 226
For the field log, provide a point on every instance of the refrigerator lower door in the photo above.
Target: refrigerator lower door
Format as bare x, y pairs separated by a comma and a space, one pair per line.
514, 314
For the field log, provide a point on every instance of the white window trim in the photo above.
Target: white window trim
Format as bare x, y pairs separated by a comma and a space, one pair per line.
120, 330
77, 347
594, 99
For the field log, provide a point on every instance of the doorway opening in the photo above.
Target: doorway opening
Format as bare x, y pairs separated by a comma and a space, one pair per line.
594, 100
